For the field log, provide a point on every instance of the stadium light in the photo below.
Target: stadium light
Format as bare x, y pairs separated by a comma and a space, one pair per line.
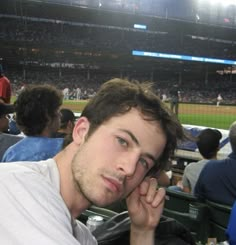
225, 2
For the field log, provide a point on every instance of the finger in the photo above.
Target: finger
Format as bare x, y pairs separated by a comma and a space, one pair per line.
133, 197
151, 190
144, 187
159, 198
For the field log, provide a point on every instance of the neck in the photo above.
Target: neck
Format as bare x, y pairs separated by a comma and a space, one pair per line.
212, 158
75, 201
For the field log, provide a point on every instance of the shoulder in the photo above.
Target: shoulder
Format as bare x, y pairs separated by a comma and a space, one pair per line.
32, 177
41, 143
4, 79
39, 208
191, 166
9, 138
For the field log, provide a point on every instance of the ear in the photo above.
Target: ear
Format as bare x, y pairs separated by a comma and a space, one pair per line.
80, 130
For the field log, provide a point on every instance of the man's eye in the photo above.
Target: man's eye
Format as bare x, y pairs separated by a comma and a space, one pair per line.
144, 163
122, 141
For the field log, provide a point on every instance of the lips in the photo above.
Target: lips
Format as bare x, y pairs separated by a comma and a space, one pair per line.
113, 184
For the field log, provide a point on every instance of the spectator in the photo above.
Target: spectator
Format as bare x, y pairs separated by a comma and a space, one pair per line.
67, 123
38, 117
6, 139
208, 143
5, 87
110, 158
217, 181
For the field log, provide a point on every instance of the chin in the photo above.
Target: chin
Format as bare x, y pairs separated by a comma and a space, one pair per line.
103, 202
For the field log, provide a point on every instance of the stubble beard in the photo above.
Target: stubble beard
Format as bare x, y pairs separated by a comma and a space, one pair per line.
78, 176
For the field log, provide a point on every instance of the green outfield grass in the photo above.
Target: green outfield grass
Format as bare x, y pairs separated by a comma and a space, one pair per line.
215, 121
202, 115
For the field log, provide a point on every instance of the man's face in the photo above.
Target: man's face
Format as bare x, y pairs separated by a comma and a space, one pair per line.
113, 161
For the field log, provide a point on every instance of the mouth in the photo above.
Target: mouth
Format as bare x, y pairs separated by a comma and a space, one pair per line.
113, 184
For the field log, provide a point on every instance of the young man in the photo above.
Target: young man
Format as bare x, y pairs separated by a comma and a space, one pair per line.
37, 116
123, 136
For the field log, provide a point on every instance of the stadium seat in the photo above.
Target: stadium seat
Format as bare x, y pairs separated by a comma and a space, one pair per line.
218, 220
188, 210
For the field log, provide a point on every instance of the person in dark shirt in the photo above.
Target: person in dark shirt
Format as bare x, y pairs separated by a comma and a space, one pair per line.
231, 228
174, 99
217, 180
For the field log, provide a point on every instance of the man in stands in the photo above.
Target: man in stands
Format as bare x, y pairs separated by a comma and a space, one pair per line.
5, 87
208, 143
217, 180
38, 117
124, 135
67, 123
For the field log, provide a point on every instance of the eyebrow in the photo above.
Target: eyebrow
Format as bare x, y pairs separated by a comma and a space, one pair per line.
135, 140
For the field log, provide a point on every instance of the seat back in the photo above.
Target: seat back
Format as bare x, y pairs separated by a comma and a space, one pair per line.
188, 210
218, 219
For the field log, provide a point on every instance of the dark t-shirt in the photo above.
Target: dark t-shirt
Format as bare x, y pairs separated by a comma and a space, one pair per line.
174, 94
217, 181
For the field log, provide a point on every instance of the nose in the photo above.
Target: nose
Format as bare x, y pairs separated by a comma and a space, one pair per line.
128, 164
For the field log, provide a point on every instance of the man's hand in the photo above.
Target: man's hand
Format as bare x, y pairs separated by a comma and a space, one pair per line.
145, 206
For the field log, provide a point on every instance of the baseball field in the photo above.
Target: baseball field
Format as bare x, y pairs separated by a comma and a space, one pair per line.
196, 114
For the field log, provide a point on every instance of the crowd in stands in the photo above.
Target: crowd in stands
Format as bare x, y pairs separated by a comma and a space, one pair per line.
48, 126
37, 142
32, 34
32, 41
192, 91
